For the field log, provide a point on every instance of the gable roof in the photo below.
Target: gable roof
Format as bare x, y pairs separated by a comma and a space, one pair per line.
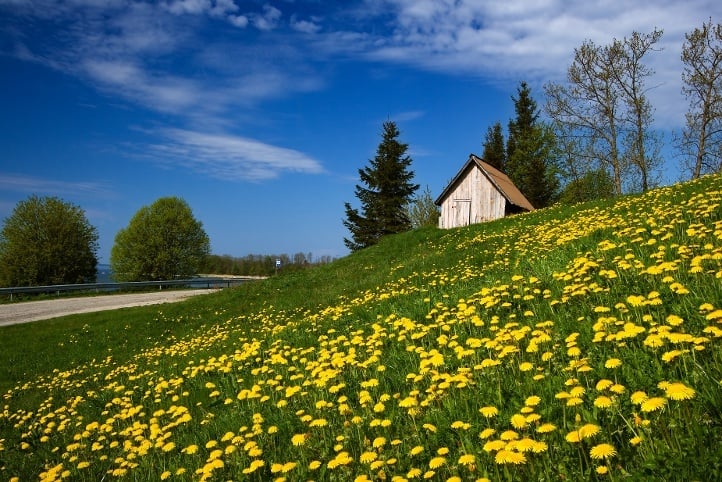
500, 180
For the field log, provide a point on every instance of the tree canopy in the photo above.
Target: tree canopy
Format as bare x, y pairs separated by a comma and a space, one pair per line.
494, 152
423, 211
47, 241
605, 113
163, 241
385, 194
701, 141
530, 152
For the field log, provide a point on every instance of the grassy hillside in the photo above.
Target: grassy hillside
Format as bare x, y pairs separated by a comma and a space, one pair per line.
565, 344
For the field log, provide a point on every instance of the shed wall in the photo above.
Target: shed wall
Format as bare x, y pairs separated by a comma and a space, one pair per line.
473, 199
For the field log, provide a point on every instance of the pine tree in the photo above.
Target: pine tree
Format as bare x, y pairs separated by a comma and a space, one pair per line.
530, 149
494, 153
385, 194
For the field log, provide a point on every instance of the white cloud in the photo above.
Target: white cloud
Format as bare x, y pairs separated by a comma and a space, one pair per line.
268, 20
240, 21
304, 26
164, 93
408, 116
230, 157
47, 187
517, 40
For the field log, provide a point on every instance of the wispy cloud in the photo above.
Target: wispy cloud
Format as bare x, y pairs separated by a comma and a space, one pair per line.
47, 187
155, 54
229, 157
516, 40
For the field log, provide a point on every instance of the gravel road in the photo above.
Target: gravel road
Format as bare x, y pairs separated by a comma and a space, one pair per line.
24, 312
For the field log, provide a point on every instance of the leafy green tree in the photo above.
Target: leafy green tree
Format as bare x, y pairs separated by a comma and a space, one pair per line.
422, 211
494, 153
530, 152
163, 241
596, 184
387, 192
47, 241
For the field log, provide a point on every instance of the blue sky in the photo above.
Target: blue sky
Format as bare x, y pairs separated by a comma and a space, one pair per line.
260, 113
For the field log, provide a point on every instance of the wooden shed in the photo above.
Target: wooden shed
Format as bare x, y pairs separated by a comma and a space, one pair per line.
479, 193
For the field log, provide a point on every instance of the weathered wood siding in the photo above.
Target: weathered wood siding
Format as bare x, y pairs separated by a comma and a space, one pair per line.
474, 199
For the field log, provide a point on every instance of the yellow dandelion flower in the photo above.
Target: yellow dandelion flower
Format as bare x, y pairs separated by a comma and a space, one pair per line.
573, 437
494, 445
429, 427
577, 391
459, 425
486, 433
589, 430
613, 363
509, 457
617, 388
413, 473
368, 457
255, 465
437, 462
442, 451
533, 417
574, 401
518, 421
298, 439
603, 384
377, 464
635, 440
601, 470
679, 391
314, 465
546, 428
532, 401
524, 445
602, 451
489, 411
379, 442
638, 397
467, 459
653, 404
539, 447
509, 435
574, 352
416, 450
603, 402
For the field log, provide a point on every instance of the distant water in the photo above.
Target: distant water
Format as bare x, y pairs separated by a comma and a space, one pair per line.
104, 274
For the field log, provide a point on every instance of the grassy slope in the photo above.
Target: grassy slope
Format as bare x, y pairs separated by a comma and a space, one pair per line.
400, 346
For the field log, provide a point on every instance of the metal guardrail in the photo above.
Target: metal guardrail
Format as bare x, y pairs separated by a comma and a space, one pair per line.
189, 283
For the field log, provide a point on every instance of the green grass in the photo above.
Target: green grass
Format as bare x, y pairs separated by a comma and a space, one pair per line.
572, 343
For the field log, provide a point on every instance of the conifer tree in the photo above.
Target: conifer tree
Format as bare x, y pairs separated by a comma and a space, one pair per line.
530, 152
385, 194
494, 153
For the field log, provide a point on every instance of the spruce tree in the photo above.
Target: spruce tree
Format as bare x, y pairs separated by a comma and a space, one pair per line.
530, 160
494, 153
385, 194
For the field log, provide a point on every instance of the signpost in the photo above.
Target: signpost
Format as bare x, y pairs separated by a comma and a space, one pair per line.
278, 265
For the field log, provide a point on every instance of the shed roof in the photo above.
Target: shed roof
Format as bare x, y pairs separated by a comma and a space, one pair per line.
496, 177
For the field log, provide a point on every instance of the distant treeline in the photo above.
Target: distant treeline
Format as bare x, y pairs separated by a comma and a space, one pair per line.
259, 264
